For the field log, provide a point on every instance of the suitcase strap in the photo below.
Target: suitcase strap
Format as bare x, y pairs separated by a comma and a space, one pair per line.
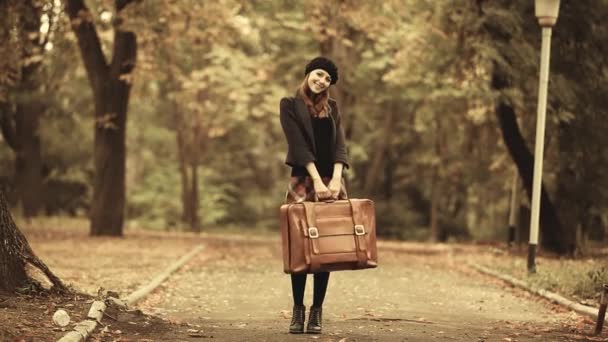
362, 251
302, 225
312, 233
313, 236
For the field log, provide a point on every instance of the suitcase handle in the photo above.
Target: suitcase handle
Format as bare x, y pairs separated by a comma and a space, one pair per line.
325, 200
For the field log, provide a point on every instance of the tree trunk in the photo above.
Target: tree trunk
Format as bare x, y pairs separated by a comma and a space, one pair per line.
571, 203
111, 87
28, 159
26, 130
389, 171
183, 171
514, 204
107, 207
434, 209
552, 231
16, 253
436, 181
195, 222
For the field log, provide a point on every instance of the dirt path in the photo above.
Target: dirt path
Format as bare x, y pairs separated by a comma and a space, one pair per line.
236, 291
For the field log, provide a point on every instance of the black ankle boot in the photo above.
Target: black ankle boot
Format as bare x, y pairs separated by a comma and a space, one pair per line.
297, 320
314, 320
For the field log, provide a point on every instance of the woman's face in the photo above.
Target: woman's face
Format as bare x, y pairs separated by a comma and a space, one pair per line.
318, 81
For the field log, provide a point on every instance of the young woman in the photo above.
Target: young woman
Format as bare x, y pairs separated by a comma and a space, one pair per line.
317, 155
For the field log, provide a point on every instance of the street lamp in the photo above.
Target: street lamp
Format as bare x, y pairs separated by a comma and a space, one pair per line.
546, 12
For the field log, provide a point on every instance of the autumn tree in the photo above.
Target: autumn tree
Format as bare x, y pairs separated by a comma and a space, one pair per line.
21, 110
577, 97
110, 83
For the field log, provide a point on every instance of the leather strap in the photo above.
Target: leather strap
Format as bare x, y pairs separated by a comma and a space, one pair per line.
362, 255
302, 225
309, 209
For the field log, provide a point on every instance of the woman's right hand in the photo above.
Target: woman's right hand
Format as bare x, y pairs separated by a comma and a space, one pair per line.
321, 190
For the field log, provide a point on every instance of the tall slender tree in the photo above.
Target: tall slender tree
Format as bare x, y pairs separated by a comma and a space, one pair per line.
110, 83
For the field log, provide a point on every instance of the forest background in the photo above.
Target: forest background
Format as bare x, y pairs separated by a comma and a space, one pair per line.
164, 114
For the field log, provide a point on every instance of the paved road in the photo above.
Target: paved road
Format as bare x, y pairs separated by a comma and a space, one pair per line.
235, 291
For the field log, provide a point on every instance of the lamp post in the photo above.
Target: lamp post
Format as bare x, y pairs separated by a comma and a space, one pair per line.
546, 12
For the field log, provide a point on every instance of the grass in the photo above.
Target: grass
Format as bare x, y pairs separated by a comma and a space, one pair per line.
579, 279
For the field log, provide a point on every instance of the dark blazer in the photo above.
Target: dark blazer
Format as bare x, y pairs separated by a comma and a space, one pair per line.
297, 126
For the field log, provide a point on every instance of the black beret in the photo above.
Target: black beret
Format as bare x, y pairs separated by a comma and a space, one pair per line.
324, 64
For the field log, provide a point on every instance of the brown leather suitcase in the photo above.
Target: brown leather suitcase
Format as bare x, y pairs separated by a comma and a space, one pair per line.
328, 236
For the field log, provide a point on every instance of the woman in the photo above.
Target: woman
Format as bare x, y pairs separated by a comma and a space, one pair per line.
317, 155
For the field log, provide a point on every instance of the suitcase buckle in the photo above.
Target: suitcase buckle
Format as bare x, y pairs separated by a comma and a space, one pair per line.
359, 229
313, 232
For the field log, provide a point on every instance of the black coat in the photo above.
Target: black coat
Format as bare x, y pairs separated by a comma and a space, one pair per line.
297, 126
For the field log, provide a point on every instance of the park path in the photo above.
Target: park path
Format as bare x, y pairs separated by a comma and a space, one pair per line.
235, 291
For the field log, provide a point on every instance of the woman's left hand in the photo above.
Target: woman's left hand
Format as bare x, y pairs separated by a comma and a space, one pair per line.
334, 186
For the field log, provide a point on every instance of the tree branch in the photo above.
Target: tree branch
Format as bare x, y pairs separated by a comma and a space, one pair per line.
88, 41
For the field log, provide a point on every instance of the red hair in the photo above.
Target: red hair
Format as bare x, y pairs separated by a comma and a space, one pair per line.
318, 104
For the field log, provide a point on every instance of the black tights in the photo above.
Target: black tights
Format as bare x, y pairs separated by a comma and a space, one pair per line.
298, 284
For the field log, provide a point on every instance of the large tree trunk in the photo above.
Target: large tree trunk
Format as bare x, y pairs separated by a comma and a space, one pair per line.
555, 237
111, 87
23, 132
108, 202
16, 253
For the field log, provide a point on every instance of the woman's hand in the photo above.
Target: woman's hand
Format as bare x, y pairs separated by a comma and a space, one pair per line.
334, 186
321, 190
